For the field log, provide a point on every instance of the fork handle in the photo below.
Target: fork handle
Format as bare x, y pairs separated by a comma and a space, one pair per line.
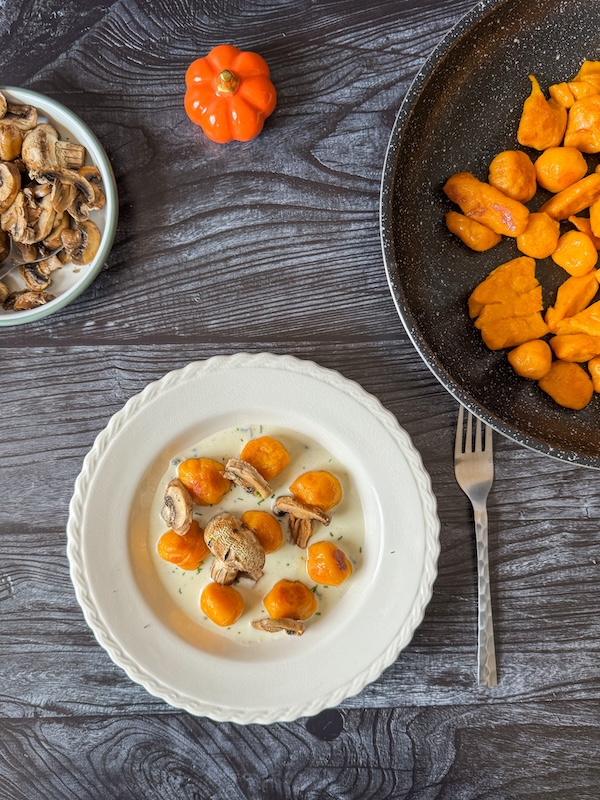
486, 651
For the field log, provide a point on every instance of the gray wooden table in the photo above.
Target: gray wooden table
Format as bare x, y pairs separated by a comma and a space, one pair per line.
271, 246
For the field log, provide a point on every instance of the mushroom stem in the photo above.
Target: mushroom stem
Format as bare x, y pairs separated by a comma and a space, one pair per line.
227, 82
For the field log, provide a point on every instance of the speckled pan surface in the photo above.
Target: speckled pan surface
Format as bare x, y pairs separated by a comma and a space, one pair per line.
463, 109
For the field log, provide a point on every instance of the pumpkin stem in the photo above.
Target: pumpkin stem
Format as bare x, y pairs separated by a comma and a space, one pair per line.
227, 82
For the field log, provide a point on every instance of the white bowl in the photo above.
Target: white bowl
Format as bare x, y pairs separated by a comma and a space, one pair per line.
169, 653
70, 281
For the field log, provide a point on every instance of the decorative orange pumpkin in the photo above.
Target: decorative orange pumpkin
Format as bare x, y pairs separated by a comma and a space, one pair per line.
229, 94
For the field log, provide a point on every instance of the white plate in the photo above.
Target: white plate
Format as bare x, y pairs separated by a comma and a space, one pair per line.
70, 281
282, 678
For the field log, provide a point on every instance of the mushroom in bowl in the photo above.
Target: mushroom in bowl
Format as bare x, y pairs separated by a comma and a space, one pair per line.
58, 206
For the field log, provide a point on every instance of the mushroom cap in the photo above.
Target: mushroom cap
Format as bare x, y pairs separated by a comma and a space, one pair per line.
233, 544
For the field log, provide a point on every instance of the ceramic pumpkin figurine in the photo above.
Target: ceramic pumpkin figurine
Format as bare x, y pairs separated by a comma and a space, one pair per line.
229, 94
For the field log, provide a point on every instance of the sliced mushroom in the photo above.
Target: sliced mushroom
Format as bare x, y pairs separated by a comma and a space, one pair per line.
234, 547
69, 177
4, 246
220, 573
39, 149
21, 166
94, 176
35, 191
14, 219
3, 292
70, 155
82, 242
54, 240
40, 219
53, 263
63, 195
3, 105
10, 184
293, 627
285, 504
246, 476
36, 276
302, 517
71, 239
22, 116
177, 507
11, 139
27, 252
26, 299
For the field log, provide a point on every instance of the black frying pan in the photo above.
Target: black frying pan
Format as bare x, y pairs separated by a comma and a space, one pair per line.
463, 109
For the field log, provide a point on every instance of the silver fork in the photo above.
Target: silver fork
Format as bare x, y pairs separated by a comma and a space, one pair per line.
474, 471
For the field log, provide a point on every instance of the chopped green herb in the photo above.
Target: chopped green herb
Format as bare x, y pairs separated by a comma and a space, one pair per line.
340, 537
198, 570
260, 501
261, 428
360, 549
180, 592
331, 533
314, 588
317, 613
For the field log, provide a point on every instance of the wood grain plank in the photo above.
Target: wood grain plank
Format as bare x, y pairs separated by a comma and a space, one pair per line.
397, 753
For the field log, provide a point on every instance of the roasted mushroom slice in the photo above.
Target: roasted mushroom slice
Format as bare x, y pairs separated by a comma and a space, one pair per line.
302, 517
10, 183
234, 547
11, 139
27, 252
43, 150
26, 299
246, 476
54, 240
82, 242
94, 177
293, 627
3, 105
14, 219
35, 191
63, 196
3, 292
40, 220
36, 276
177, 507
21, 116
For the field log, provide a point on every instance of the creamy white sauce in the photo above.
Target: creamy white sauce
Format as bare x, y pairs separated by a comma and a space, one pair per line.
346, 530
